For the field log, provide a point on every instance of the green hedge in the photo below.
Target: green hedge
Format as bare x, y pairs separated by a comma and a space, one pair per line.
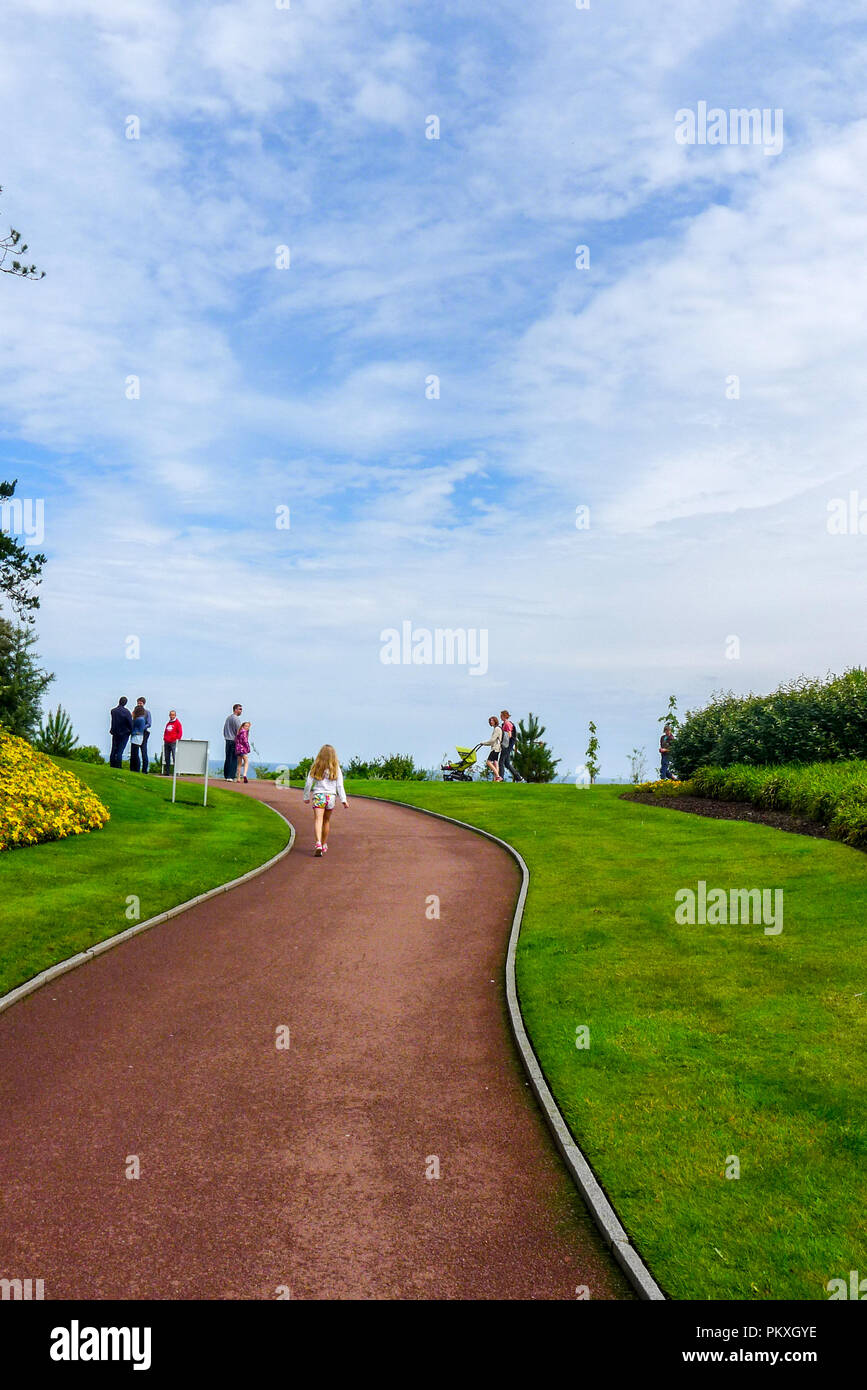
803, 721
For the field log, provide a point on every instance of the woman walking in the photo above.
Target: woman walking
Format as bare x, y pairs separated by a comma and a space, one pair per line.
508, 746
324, 784
494, 743
242, 751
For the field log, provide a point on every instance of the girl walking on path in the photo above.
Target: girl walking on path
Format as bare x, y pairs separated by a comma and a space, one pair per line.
494, 743
324, 783
242, 751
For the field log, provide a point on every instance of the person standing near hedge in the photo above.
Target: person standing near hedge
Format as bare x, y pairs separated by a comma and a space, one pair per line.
665, 743
171, 735
121, 728
230, 733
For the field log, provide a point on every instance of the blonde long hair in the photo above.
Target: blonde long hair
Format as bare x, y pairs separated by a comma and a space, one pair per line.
325, 764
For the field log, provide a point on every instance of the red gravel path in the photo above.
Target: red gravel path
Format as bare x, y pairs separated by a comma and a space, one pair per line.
302, 1168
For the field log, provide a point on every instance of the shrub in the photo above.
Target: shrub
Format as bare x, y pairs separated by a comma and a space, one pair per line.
638, 765
832, 793
89, 753
803, 721
393, 767
40, 801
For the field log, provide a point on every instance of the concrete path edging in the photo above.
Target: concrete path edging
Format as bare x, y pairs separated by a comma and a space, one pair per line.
83, 957
582, 1174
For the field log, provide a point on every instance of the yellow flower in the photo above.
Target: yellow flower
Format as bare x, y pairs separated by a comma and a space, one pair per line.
39, 801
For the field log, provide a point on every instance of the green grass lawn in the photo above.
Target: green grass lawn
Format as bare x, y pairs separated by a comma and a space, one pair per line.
57, 899
705, 1041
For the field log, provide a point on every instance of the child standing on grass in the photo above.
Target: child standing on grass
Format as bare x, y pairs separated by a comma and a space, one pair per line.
242, 751
324, 783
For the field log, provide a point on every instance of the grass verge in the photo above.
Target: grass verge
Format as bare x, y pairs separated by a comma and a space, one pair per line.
707, 1043
59, 898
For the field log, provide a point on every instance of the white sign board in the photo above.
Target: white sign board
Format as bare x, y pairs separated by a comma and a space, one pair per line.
191, 760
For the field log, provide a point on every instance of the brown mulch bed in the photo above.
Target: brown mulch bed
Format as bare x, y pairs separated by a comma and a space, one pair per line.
733, 810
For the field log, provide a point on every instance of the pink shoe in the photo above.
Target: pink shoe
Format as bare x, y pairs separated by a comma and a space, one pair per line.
318, 849
324, 849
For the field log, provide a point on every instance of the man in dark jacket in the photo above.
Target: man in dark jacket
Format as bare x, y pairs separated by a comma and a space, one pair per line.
121, 728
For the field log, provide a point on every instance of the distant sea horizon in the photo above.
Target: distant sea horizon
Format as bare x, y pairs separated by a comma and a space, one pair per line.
215, 769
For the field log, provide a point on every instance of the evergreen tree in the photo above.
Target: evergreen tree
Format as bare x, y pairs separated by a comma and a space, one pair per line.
57, 737
20, 571
22, 682
533, 758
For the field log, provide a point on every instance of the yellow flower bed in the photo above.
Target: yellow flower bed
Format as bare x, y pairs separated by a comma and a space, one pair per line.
40, 802
669, 787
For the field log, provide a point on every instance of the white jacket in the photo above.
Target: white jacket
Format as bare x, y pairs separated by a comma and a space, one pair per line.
495, 741
332, 786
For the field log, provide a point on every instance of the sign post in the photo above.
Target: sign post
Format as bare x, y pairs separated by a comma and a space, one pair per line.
191, 760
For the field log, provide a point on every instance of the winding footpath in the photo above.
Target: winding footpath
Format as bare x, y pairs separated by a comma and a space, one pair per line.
309, 1171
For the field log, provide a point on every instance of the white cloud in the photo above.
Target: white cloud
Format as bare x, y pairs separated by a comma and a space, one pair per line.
559, 387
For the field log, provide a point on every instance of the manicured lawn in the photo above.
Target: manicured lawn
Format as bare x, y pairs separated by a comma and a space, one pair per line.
705, 1041
58, 898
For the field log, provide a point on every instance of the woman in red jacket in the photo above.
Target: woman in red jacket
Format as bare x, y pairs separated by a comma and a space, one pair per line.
171, 734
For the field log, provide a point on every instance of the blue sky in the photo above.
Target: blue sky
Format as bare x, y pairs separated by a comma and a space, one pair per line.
559, 387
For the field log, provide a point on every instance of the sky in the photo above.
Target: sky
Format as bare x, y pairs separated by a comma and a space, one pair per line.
317, 356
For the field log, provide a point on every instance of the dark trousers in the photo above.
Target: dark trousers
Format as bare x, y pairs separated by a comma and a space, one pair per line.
118, 748
506, 762
135, 758
230, 766
145, 761
168, 758
663, 767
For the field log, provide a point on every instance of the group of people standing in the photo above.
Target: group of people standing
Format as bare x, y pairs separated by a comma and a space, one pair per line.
502, 746
134, 726
129, 724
